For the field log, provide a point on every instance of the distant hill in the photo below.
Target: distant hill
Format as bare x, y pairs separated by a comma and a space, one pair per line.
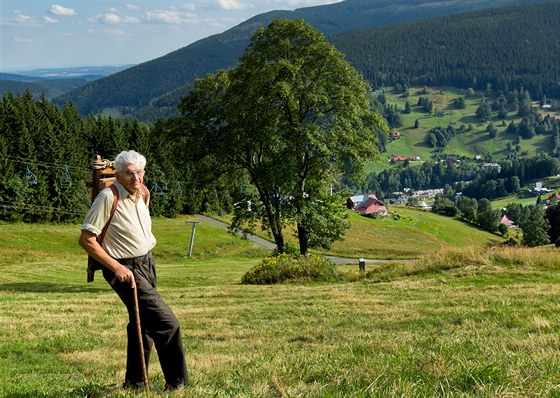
49, 88
19, 78
508, 48
83, 72
141, 86
53, 82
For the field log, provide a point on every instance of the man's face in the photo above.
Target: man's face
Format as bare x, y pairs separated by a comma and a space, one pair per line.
131, 178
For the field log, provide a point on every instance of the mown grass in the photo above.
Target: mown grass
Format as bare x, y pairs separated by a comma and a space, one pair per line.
456, 323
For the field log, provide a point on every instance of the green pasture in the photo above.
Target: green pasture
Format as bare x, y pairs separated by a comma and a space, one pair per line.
502, 203
459, 322
468, 143
407, 233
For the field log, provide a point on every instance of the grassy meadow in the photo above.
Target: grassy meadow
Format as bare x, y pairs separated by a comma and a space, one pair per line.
408, 233
461, 321
469, 143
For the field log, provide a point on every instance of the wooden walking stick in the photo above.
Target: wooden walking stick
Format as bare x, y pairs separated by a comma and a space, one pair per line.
140, 343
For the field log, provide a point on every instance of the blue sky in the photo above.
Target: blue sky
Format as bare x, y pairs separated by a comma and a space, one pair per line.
38, 33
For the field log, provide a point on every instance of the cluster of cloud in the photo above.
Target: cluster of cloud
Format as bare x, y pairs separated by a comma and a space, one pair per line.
62, 11
113, 20
184, 13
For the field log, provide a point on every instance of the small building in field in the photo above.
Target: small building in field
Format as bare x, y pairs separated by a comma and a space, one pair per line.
372, 206
355, 200
398, 159
507, 222
489, 165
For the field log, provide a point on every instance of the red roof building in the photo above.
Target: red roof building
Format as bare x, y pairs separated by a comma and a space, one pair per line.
507, 222
372, 205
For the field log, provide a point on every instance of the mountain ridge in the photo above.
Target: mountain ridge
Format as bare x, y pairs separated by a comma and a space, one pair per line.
53, 82
137, 87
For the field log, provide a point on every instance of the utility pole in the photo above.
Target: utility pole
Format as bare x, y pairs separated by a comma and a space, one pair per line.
194, 224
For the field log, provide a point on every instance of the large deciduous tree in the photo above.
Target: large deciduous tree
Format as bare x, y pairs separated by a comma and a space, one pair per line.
294, 116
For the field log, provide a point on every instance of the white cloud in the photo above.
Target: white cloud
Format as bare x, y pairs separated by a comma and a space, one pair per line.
171, 16
110, 18
189, 7
19, 19
115, 32
22, 18
131, 6
113, 19
23, 40
62, 11
127, 19
233, 5
49, 20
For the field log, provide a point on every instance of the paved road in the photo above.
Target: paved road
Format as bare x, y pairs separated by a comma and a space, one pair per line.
252, 238
272, 246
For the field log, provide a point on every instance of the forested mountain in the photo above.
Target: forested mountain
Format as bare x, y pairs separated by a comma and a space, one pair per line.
19, 78
52, 82
136, 87
50, 88
509, 48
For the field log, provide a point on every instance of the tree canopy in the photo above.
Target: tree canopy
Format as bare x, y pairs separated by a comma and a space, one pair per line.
294, 116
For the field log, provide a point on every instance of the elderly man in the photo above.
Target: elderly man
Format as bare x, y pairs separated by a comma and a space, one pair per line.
126, 261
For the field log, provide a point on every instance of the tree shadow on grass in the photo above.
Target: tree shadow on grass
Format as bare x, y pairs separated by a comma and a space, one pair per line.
45, 287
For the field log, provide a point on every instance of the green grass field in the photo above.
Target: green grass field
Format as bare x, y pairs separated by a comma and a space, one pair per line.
408, 233
468, 143
459, 322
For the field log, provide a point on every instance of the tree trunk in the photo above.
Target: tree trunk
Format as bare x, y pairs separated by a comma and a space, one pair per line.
303, 239
274, 222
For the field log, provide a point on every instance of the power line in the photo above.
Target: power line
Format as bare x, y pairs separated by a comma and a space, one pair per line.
35, 162
39, 209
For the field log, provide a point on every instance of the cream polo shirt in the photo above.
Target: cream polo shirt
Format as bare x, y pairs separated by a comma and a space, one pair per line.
130, 231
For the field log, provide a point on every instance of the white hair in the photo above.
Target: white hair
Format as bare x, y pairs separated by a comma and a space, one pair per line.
129, 157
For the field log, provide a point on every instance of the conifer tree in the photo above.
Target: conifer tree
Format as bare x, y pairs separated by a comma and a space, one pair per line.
535, 231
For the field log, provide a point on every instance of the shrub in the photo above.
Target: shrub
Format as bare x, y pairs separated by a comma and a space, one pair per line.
287, 267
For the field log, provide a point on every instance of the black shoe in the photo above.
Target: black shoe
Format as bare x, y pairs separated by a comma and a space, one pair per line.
129, 385
171, 387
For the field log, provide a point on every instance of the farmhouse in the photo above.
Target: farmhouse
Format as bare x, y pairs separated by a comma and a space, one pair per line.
507, 222
401, 159
452, 159
372, 206
427, 194
540, 189
488, 165
355, 200
398, 159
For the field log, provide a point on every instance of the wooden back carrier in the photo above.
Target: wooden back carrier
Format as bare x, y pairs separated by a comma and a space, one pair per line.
103, 176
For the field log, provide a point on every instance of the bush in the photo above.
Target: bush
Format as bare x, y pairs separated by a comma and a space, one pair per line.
286, 267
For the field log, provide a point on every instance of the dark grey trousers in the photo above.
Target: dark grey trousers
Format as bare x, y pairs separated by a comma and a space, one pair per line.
160, 326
